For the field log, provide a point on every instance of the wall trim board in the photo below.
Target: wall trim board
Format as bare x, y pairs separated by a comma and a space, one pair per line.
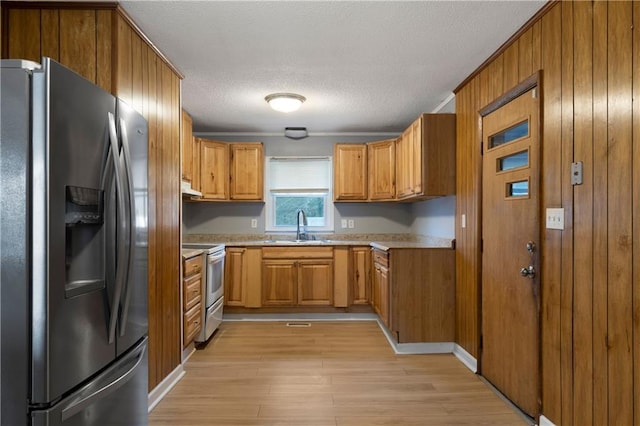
522, 87
466, 358
529, 24
259, 134
163, 388
545, 421
444, 103
153, 47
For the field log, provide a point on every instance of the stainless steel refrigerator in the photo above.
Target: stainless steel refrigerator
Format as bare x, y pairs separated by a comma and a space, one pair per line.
73, 226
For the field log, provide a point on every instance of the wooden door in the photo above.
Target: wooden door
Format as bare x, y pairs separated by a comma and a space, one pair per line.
315, 282
382, 169
350, 172
247, 177
511, 239
279, 283
235, 278
214, 170
361, 275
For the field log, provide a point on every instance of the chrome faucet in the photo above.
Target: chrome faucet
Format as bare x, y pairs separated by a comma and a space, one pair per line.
301, 235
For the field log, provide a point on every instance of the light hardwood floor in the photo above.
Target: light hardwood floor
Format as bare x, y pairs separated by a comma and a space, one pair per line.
329, 374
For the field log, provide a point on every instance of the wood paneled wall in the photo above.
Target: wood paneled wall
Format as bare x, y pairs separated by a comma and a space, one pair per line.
100, 42
589, 54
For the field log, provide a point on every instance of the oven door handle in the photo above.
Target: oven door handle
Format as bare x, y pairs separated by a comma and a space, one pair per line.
214, 257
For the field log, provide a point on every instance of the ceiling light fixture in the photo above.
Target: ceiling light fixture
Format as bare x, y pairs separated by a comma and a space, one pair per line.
285, 102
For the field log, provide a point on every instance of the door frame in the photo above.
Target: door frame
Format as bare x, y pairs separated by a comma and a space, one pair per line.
534, 81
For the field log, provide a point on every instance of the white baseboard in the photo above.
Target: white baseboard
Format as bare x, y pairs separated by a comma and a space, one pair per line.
301, 317
545, 421
415, 348
466, 358
156, 395
187, 352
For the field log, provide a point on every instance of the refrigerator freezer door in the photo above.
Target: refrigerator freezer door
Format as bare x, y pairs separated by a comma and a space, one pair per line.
15, 130
116, 397
71, 296
133, 133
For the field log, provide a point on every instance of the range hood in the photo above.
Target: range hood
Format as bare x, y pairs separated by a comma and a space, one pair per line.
187, 191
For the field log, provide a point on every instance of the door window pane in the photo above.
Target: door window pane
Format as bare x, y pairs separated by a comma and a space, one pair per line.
509, 135
518, 189
513, 161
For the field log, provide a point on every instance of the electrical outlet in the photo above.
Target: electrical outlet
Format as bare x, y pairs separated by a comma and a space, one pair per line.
555, 218
463, 221
351, 223
343, 223
254, 223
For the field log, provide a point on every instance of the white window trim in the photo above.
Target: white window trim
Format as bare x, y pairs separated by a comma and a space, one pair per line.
270, 204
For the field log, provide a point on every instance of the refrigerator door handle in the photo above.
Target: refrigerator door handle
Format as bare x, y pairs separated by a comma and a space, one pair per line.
106, 384
122, 254
131, 219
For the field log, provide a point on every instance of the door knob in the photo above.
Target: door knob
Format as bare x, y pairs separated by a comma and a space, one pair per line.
529, 272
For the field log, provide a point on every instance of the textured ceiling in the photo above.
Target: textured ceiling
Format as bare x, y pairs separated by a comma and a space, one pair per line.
363, 66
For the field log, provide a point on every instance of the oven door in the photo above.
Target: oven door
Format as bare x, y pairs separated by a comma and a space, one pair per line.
215, 277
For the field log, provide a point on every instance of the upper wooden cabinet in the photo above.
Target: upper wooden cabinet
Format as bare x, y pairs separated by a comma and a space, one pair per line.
187, 147
382, 170
214, 170
404, 164
425, 165
226, 171
349, 172
246, 179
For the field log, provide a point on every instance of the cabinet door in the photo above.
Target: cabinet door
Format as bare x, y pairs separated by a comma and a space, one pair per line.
315, 282
403, 164
187, 147
350, 172
196, 175
384, 296
382, 170
279, 283
361, 275
380, 294
235, 282
214, 171
246, 181
416, 165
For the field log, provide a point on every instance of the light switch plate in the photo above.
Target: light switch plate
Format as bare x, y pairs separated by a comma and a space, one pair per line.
555, 218
343, 223
463, 221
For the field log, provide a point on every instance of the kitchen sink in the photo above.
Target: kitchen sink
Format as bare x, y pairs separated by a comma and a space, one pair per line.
297, 242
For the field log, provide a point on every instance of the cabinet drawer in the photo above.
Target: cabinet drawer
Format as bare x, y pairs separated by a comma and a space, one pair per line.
192, 266
192, 323
297, 252
381, 258
191, 291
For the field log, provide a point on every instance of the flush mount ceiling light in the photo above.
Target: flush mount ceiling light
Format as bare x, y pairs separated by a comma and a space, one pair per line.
285, 102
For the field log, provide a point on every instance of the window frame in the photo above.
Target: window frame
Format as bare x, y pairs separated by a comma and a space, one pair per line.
271, 194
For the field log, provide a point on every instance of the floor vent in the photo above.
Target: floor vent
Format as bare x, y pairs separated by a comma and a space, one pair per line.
298, 324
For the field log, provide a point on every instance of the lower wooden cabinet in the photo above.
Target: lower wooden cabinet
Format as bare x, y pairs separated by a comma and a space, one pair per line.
315, 282
279, 283
243, 277
380, 286
413, 292
191, 298
360, 277
297, 276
